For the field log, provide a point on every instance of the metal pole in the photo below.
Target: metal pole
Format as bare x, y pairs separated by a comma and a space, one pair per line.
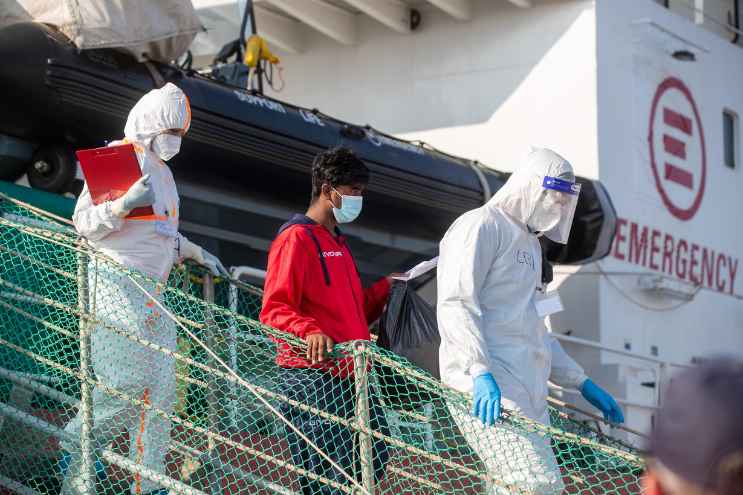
736, 21
662, 377
212, 394
250, 13
210, 338
243, 25
86, 389
252, 17
107, 455
254, 30
363, 419
428, 412
232, 344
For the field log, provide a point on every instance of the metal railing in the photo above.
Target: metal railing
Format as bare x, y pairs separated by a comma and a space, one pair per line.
695, 10
661, 368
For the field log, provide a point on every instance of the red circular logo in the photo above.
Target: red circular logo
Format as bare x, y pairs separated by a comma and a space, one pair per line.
677, 154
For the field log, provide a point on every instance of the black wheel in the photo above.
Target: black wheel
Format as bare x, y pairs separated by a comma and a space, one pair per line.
52, 169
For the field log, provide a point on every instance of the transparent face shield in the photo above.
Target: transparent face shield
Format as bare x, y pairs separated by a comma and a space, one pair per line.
555, 210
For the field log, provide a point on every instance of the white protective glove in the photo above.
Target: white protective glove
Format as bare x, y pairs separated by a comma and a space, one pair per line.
189, 250
140, 194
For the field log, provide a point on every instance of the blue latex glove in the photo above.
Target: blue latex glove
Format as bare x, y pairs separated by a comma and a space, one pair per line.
486, 399
602, 401
141, 193
213, 264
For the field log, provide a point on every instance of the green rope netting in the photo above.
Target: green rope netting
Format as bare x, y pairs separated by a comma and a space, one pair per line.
184, 393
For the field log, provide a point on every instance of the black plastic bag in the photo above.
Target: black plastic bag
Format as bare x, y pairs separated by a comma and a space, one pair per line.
408, 328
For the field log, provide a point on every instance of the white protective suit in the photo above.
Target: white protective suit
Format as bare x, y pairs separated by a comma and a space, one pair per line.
489, 271
149, 245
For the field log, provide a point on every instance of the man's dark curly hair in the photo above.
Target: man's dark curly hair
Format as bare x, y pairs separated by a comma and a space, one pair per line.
338, 167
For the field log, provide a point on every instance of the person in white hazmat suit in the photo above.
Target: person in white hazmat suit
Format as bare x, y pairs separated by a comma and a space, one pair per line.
148, 244
494, 343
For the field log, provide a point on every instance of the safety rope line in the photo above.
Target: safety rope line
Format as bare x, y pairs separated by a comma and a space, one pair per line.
299, 405
239, 380
38, 320
517, 420
250, 387
40, 212
111, 391
346, 423
40, 233
46, 266
44, 235
218, 316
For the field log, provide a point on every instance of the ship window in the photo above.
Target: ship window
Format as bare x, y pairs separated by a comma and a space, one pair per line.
731, 138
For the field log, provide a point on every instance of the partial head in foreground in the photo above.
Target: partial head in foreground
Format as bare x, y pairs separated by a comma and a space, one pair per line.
696, 446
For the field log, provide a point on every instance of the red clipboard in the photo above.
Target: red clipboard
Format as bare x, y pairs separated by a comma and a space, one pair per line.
110, 172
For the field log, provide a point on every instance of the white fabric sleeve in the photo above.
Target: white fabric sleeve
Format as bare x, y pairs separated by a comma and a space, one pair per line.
94, 222
188, 250
465, 258
565, 371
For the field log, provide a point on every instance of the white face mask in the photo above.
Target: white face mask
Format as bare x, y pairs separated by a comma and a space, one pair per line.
166, 146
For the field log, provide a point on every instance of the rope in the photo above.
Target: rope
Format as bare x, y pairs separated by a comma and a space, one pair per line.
39, 308
175, 419
428, 382
595, 417
36, 210
250, 387
342, 421
516, 419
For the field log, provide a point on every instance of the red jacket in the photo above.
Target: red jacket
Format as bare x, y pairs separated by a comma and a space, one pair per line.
312, 286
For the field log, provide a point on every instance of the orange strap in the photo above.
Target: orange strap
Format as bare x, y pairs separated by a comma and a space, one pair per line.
140, 441
137, 146
187, 124
151, 218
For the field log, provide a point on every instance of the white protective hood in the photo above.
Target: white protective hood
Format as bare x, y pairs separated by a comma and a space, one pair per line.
524, 198
520, 194
159, 30
159, 110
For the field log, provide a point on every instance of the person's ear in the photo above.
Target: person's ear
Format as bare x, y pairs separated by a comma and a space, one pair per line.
327, 192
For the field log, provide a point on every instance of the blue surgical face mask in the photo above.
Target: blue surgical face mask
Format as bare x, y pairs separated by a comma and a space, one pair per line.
350, 208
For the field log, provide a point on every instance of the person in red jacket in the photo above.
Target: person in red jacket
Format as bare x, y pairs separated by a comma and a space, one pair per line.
313, 291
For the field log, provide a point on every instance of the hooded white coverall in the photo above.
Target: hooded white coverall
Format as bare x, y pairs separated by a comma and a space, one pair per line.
150, 245
489, 270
